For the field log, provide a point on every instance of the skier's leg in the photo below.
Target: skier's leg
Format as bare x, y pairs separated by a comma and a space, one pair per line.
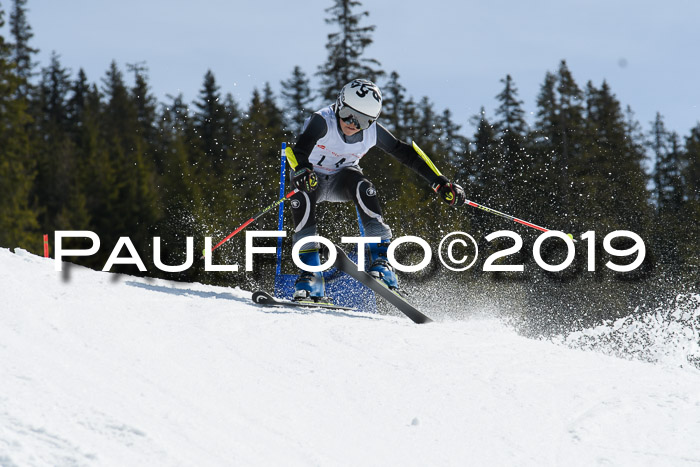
304, 216
364, 194
308, 284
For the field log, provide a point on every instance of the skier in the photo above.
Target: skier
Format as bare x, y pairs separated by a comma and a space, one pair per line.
325, 167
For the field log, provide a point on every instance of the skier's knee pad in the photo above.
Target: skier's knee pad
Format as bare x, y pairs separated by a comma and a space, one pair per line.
303, 210
370, 210
366, 197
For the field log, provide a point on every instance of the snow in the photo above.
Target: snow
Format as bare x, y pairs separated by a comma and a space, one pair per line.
114, 370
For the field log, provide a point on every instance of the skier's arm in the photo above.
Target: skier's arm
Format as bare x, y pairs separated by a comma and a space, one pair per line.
315, 130
449, 192
404, 153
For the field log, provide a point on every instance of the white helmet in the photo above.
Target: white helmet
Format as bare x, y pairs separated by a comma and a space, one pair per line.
359, 103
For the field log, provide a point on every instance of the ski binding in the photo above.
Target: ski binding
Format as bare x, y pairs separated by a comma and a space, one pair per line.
263, 298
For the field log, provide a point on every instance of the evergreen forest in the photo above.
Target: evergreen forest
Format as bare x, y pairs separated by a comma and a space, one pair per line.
109, 158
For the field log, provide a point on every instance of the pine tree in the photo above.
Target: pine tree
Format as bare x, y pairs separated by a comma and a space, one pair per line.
120, 112
559, 137
668, 189
95, 180
394, 95
134, 209
72, 213
346, 48
427, 122
144, 102
22, 52
409, 117
179, 191
234, 122
635, 160
570, 129
57, 186
273, 114
547, 111
511, 132
262, 136
176, 122
691, 174
453, 146
488, 186
77, 102
608, 174
486, 170
689, 216
211, 126
53, 92
511, 125
216, 158
18, 218
544, 138
296, 94
668, 195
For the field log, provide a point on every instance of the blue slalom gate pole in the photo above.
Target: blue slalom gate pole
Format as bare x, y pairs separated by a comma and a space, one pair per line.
280, 213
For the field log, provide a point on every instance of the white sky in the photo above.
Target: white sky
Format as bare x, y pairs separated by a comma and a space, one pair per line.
454, 52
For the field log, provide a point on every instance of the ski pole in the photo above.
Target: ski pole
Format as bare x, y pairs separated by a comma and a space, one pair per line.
427, 160
509, 217
254, 218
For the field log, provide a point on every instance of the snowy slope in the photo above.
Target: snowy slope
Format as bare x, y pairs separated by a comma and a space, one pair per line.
114, 370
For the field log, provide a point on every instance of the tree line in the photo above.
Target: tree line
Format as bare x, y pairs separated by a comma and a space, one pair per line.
108, 157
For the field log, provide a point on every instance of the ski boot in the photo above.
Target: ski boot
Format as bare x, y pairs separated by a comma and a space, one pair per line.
380, 267
310, 285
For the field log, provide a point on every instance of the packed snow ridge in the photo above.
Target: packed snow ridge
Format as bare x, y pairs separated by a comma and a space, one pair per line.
106, 369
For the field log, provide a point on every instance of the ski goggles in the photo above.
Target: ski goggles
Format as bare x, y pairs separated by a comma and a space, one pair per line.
357, 119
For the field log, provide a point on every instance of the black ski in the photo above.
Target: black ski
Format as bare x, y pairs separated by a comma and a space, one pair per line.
263, 298
346, 265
